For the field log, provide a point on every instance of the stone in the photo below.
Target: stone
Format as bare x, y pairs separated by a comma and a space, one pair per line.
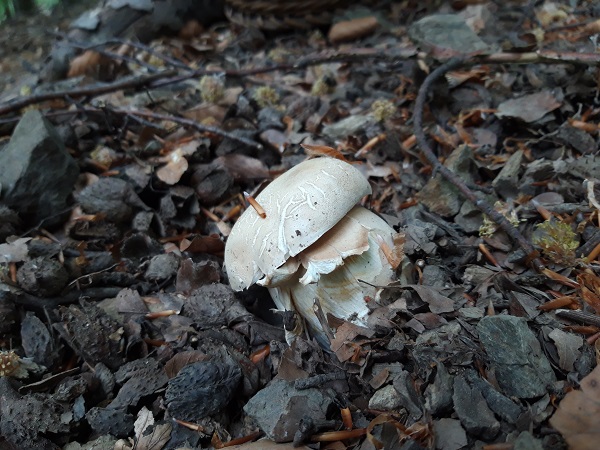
473, 411
526, 441
162, 267
279, 407
438, 395
502, 406
114, 421
439, 195
202, 389
506, 182
410, 399
521, 367
449, 434
446, 33
112, 197
37, 173
386, 399
348, 126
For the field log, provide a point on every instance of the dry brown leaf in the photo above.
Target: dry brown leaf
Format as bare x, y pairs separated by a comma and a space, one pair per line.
84, 64
205, 244
532, 107
577, 415
182, 359
243, 168
437, 302
176, 166
349, 30
343, 344
590, 289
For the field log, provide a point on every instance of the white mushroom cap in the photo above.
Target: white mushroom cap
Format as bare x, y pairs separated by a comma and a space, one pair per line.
301, 206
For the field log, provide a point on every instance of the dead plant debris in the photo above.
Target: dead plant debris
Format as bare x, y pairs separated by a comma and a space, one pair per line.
475, 125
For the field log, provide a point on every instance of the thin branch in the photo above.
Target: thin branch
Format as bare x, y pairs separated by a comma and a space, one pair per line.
141, 116
191, 124
91, 91
99, 47
481, 204
168, 77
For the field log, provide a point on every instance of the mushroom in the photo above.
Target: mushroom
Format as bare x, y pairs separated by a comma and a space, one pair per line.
312, 242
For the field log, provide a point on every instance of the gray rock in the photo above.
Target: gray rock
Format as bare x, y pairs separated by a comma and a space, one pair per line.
469, 218
202, 389
438, 395
449, 435
506, 182
473, 411
42, 276
37, 174
521, 368
213, 305
504, 407
162, 267
439, 195
578, 139
410, 399
114, 421
446, 32
526, 441
345, 127
112, 197
386, 399
279, 407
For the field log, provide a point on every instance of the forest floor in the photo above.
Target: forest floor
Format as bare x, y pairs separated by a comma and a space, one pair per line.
120, 185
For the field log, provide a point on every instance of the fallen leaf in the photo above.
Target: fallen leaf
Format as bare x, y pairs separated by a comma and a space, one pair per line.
175, 168
156, 439
530, 108
212, 244
84, 63
144, 420
437, 302
590, 289
182, 359
577, 415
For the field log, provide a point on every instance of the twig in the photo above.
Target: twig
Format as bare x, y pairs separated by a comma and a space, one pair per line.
116, 41
168, 77
189, 123
92, 91
141, 116
481, 204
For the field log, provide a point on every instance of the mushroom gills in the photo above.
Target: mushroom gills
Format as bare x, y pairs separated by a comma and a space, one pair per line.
341, 270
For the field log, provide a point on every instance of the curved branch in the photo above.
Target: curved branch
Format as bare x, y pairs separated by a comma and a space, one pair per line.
480, 203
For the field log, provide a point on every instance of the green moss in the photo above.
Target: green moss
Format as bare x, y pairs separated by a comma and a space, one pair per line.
266, 96
557, 241
383, 109
211, 88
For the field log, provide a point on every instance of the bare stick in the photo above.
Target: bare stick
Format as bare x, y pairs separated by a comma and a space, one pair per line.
481, 204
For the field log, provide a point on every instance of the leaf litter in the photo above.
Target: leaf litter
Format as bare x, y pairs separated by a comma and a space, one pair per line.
118, 323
